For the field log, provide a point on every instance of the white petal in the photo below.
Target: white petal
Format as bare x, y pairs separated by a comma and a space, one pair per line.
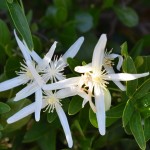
9, 84
50, 53
24, 49
107, 98
35, 56
27, 91
67, 92
65, 125
83, 69
100, 110
22, 113
125, 76
36, 76
61, 84
110, 70
38, 104
98, 54
120, 60
73, 50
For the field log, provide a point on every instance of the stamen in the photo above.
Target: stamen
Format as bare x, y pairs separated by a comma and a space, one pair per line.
51, 100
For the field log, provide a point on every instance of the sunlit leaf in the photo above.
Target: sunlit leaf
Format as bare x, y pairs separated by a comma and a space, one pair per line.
20, 22
137, 130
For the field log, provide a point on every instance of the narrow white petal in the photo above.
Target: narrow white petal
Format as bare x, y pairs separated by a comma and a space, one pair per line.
125, 76
49, 55
24, 49
110, 70
83, 69
36, 76
67, 92
65, 125
100, 110
120, 60
22, 113
107, 99
61, 84
98, 54
73, 50
27, 91
38, 104
9, 84
36, 57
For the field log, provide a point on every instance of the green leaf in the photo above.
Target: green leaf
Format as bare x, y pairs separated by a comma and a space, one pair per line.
126, 15
15, 107
72, 64
75, 105
84, 21
128, 111
92, 118
12, 65
61, 15
129, 67
137, 49
4, 108
116, 112
142, 90
107, 4
1, 127
137, 130
124, 49
48, 141
51, 116
2, 55
4, 33
36, 131
20, 22
147, 128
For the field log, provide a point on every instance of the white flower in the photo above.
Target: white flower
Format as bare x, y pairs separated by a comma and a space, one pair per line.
27, 74
95, 79
53, 69
50, 102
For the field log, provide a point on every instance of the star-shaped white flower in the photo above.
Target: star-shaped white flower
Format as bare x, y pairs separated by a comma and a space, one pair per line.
51, 101
51, 70
94, 80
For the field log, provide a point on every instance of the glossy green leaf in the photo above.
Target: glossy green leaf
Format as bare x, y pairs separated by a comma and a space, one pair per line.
137, 49
92, 118
129, 67
61, 15
137, 130
4, 108
127, 16
72, 64
84, 21
75, 105
124, 49
51, 116
4, 33
142, 90
116, 112
108, 4
12, 65
36, 131
128, 111
2, 55
147, 128
20, 22
48, 141
15, 107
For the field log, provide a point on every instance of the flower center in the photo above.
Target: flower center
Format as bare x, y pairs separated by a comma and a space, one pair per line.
25, 72
51, 100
